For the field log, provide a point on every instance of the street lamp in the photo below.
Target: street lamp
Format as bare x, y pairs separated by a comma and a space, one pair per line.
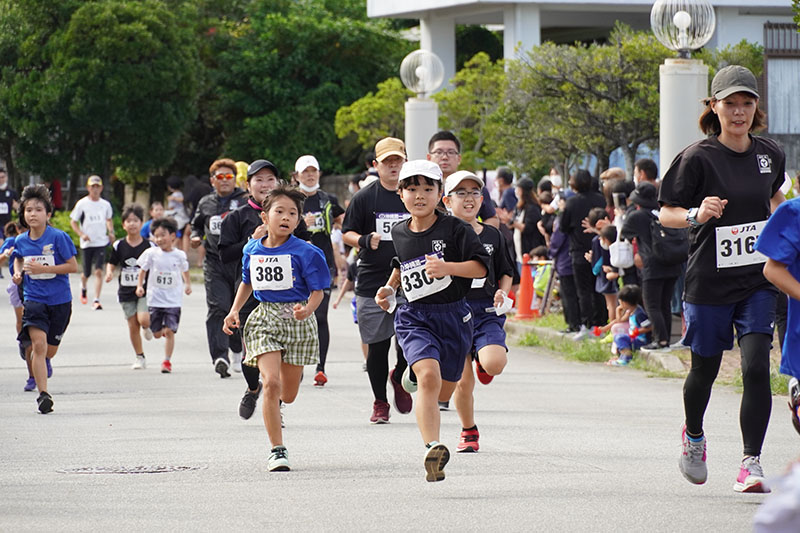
683, 26
422, 72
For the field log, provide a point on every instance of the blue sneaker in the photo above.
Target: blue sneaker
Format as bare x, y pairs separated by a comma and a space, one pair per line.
30, 385
49, 367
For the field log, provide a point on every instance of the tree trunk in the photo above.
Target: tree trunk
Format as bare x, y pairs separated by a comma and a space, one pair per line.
630, 158
72, 190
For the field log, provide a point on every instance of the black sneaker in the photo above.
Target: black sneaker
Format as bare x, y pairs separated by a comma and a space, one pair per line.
45, 403
444, 406
248, 404
221, 368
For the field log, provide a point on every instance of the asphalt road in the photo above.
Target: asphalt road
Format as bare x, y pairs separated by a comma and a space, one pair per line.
565, 446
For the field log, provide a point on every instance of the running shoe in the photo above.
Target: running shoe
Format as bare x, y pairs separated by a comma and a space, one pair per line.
380, 412
435, 459
582, 334
166, 366
408, 384
402, 399
621, 361
483, 376
751, 476
320, 379
279, 460
247, 405
45, 403
692, 463
469, 441
84, 299
364, 366
148, 334
96, 305
236, 361
221, 368
794, 402
139, 364
30, 385
49, 367
444, 406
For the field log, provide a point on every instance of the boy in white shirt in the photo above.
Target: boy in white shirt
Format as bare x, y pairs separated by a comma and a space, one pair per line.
165, 287
92, 220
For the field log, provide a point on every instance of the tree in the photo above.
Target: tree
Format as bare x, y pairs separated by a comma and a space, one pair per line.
747, 54
375, 115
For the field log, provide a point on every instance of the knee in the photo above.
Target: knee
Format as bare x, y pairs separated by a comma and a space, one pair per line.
272, 387
429, 379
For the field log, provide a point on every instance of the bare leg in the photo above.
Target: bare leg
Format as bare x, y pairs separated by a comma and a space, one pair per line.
38, 355
464, 396
269, 364
133, 332
98, 283
169, 346
144, 320
429, 383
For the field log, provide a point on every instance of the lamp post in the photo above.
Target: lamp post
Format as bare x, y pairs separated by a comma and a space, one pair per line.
683, 26
422, 72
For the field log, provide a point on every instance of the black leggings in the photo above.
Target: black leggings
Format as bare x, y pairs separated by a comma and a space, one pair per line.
657, 295
756, 398
324, 331
378, 366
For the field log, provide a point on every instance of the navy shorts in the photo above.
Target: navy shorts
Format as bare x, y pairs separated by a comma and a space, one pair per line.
165, 317
94, 256
624, 342
52, 319
709, 328
487, 325
435, 331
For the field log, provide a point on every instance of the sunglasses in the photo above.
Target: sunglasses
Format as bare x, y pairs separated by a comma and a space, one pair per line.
224, 176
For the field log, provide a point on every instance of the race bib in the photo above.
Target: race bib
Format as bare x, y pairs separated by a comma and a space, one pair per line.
46, 260
165, 279
271, 272
478, 283
416, 283
384, 222
214, 225
319, 222
129, 277
3, 208
736, 245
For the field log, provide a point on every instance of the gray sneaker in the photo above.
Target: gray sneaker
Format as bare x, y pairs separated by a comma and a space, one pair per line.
582, 334
751, 476
279, 460
692, 463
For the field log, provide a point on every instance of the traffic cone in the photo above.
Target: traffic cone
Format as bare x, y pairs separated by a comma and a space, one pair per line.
525, 295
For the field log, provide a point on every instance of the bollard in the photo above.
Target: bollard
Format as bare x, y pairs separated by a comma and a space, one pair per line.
525, 296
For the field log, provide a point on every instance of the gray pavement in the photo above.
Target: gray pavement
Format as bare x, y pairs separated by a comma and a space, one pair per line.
565, 446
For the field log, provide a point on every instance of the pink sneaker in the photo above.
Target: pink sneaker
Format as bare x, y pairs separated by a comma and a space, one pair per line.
751, 477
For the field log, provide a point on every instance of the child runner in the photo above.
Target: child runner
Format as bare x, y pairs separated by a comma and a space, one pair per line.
156, 212
463, 196
125, 253
167, 272
288, 277
438, 256
637, 333
43, 257
778, 241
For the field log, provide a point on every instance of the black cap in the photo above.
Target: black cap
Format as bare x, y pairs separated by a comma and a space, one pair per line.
645, 195
258, 164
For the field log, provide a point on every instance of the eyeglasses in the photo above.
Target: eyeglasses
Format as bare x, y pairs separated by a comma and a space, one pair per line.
448, 153
224, 176
464, 194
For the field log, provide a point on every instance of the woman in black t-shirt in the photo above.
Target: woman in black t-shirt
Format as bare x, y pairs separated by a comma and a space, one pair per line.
724, 188
526, 219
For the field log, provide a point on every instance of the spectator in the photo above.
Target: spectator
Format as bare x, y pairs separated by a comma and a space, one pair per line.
526, 218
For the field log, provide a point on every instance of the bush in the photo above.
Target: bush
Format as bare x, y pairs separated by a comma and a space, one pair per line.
60, 220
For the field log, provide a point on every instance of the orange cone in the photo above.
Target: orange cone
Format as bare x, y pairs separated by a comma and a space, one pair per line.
525, 296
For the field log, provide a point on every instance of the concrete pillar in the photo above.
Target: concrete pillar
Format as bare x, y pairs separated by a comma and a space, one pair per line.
438, 35
522, 24
422, 121
683, 85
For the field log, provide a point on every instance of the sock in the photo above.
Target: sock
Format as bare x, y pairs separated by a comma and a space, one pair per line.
473, 428
694, 439
139, 355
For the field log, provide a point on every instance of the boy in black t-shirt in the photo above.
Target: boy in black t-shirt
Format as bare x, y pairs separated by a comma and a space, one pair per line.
438, 256
124, 253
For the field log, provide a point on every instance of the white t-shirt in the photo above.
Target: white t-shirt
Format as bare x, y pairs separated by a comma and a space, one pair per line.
94, 215
165, 280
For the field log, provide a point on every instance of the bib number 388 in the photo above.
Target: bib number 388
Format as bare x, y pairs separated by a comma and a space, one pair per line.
416, 283
271, 272
736, 245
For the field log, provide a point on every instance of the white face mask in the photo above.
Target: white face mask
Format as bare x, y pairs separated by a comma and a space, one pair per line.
604, 245
3, 186
308, 189
352, 189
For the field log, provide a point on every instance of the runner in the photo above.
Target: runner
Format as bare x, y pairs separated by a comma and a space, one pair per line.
724, 188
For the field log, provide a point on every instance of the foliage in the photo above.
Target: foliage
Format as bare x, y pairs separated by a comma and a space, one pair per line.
747, 54
375, 115
472, 39
796, 9
60, 220
287, 70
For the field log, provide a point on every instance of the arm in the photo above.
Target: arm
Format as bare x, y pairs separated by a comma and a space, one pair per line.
140, 283
301, 312
17, 270
198, 226
348, 285
231, 321
777, 199
77, 229
110, 228
187, 281
109, 272
778, 274
67, 267
381, 297
351, 238
437, 268
503, 286
675, 217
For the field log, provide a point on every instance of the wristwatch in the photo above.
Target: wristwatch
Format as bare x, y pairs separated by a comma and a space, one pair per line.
691, 217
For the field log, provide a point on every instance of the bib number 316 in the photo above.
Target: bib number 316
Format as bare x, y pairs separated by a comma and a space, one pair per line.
736, 245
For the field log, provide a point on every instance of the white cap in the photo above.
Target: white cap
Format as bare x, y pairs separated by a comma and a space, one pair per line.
421, 167
457, 177
304, 162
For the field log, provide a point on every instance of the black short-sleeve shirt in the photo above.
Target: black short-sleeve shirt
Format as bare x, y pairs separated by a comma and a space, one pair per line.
502, 264
373, 202
124, 255
449, 237
320, 236
748, 180
637, 226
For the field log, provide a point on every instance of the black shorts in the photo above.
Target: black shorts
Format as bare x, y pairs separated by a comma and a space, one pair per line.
93, 256
52, 319
165, 317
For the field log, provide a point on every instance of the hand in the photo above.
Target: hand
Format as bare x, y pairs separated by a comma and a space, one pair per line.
587, 228
300, 312
8, 252
711, 207
435, 267
335, 304
84, 237
17, 278
374, 241
33, 267
140, 291
588, 256
188, 290
382, 297
108, 277
195, 242
499, 296
637, 261
230, 323
309, 219
260, 232
611, 276
607, 269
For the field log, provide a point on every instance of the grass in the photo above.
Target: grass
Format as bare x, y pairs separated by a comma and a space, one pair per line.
778, 382
587, 351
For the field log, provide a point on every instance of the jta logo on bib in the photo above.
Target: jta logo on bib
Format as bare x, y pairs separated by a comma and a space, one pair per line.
764, 163
271, 272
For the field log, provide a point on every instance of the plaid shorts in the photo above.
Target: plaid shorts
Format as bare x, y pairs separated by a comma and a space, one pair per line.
272, 328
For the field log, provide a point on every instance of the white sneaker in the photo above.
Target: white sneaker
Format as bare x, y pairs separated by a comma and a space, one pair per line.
278, 460
236, 361
148, 334
140, 363
582, 334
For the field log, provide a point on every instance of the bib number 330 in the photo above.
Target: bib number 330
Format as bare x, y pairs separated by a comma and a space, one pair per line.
271, 272
736, 245
416, 283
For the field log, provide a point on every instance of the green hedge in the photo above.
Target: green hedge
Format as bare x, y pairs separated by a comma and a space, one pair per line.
60, 220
